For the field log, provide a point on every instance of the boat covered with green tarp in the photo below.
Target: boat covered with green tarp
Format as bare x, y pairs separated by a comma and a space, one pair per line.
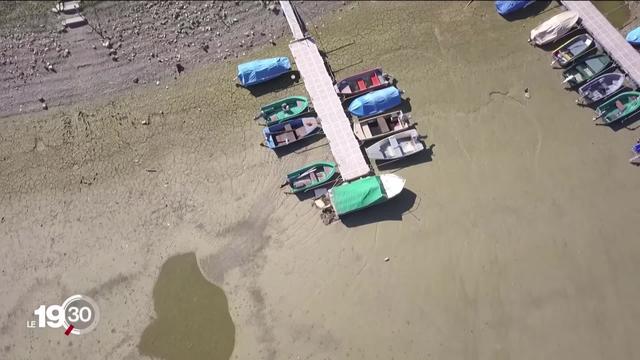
365, 192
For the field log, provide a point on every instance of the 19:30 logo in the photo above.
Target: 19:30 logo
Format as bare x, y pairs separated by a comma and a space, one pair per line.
78, 314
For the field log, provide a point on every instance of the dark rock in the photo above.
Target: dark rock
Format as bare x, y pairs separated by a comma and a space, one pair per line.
135, 80
179, 68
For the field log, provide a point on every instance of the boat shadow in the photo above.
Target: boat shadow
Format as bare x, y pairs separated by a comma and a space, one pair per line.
537, 8
422, 157
624, 124
278, 84
391, 210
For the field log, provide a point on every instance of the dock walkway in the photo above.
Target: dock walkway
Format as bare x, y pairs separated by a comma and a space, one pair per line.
336, 126
608, 37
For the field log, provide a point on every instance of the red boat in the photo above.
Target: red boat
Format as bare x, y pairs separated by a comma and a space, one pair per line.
362, 83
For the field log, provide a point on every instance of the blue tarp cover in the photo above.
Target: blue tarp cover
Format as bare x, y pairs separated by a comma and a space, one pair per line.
375, 102
257, 71
505, 7
633, 37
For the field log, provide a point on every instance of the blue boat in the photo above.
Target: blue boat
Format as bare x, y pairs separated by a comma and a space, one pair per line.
633, 37
259, 71
506, 7
288, 132
375, 102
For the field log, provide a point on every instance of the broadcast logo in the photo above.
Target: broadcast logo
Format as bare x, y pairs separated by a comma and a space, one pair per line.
78, 315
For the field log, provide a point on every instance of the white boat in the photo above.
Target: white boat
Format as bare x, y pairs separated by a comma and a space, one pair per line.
379, 126
396, 146
554, 28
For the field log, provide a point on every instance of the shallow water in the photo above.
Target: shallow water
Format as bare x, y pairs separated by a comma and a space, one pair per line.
617, 12
193, 320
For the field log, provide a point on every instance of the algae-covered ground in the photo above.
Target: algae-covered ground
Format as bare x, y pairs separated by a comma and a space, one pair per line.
514, 239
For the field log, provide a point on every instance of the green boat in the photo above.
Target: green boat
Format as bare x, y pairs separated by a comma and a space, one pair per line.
310, 176
587, 69
284, 109
618, 108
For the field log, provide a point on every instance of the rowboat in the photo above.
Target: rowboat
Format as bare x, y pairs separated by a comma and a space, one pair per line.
554, 28
505, 7
585, 70
396, 146
362, 83
359, 194
375, 102
572, 49
288, 132
262, 70
618, 108
310, 176
600, 88
284, 109
379, 126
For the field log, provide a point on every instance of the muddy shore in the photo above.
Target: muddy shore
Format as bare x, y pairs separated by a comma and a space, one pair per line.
515, 238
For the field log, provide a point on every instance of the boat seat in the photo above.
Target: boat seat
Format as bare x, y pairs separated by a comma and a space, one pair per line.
620, 105
273, 117
361, 85
301, 183
374, 80
394, 142
301, 132
313, 177
321, 175
382, 122
366, 131
286, 138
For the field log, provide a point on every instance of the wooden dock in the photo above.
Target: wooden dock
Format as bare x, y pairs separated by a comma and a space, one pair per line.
608, 37
344, 146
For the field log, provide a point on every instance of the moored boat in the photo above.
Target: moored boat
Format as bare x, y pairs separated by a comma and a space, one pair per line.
554, 28
506, 7
396, 146
262, 70
375, 102
572, 50
618, 108
362, 83
360, 194
633, 37
284, 109
379, 126
311, 176
290, 131
600, 88
586, 69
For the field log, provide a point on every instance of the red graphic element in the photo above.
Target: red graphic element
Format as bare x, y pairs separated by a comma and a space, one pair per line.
68, 331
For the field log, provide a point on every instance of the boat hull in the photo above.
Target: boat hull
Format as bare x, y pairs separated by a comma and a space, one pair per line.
362, 83
290, 131
600, 88
619, 107
379, 126
275, 113
311, 176
396, 146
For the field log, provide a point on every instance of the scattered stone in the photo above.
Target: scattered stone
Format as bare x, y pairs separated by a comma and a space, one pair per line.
93, 47
179, 68
205, 47
526, 93
386, 259
157, 82
112, 52
273, 8
107, 44
273, 42
44, 106
235, 20
114, 57
145, 121
135, 80
41, 99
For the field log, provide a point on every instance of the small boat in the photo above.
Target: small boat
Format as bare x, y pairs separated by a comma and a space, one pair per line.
633, 37
572, 49
310, 176
505, 7
360, 194
284, 109
600, 88
586, 69
290, 131
259, 71
554, 28
618, 108
362, 83
396, 146
375, 102
379, 126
